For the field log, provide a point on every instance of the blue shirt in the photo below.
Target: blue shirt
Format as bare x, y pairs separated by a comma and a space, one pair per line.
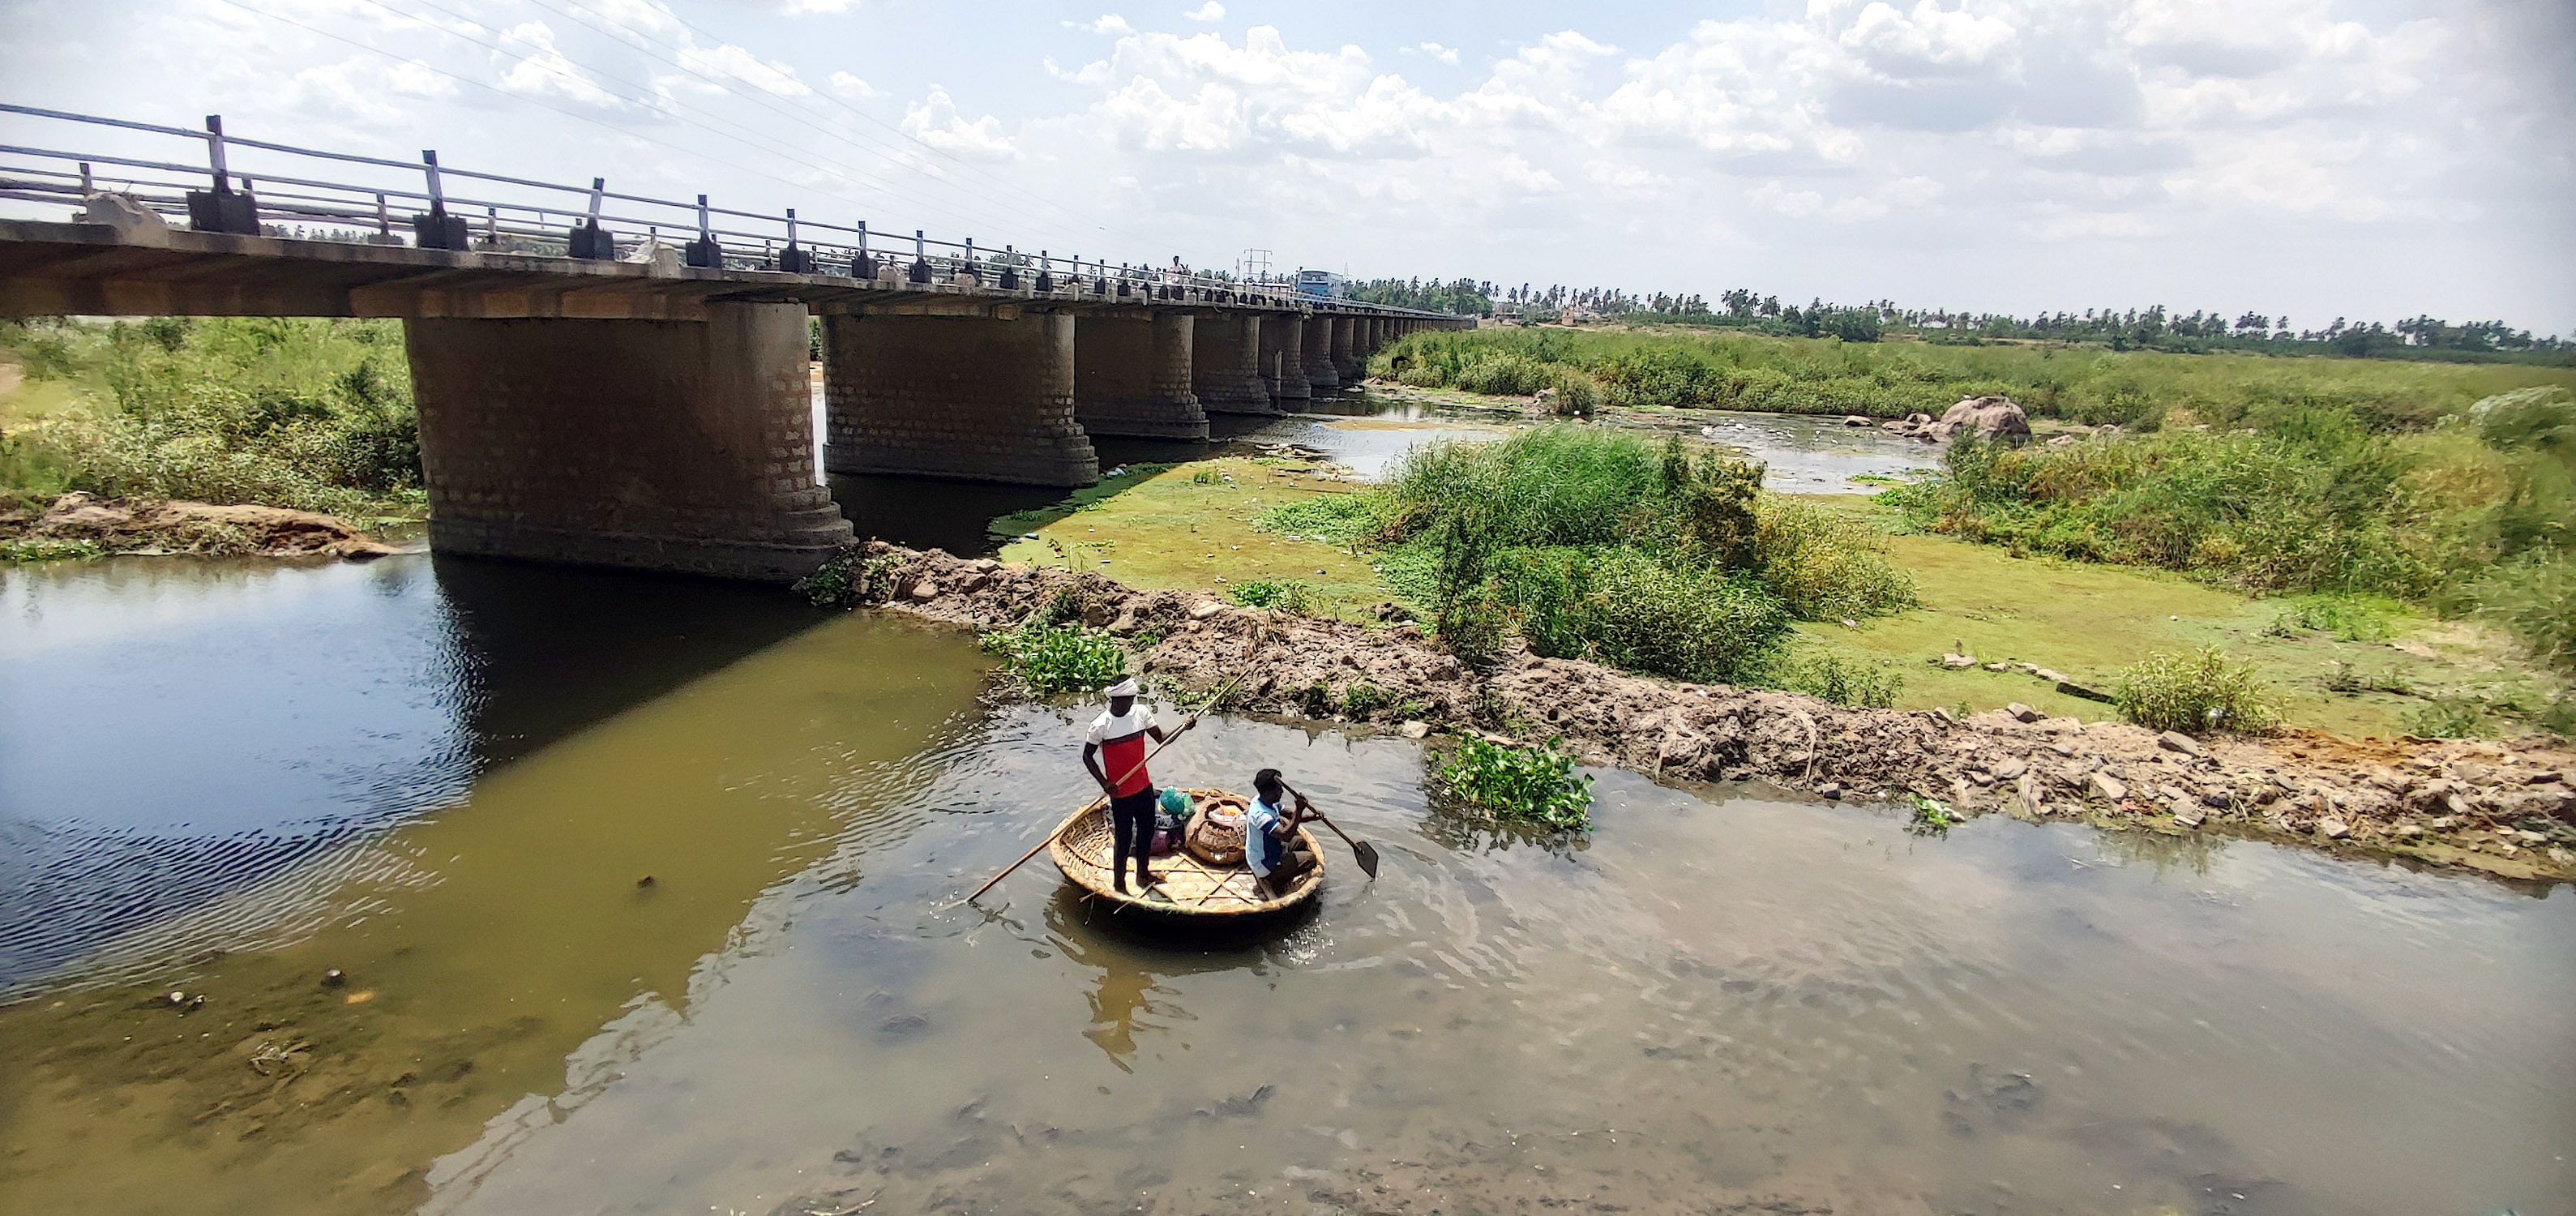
1262, 850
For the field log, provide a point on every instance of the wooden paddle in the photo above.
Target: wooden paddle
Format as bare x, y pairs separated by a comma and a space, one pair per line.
1361, 849
1103, 800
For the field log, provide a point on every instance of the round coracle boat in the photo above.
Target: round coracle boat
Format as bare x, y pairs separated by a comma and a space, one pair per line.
1205, 877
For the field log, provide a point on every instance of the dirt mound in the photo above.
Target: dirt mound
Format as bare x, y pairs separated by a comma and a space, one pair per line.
138, 526
2507, 810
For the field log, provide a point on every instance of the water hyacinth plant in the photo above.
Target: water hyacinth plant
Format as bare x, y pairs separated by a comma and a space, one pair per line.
1532, 785
1059, 658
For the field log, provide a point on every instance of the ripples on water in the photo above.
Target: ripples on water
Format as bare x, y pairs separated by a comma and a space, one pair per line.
1727, 1002
1717, 999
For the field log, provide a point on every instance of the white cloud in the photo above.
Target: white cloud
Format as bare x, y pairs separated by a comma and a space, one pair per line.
1978, 153
545, 71
936, 122
1210, 11
734, 63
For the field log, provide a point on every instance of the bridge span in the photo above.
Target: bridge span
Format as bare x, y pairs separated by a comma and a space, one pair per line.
592, 390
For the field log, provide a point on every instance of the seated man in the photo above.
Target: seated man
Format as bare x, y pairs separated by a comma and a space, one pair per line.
1270, 842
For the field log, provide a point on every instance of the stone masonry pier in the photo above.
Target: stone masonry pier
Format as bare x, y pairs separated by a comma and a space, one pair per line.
1283, 362
1132, 374
973, 398
1225, 364
666, 445
1322, 376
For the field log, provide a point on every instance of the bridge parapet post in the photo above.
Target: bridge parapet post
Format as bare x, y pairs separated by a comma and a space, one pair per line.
963, 397
1132, 374
1283, 360
1317, 353
1225, 364
665, 445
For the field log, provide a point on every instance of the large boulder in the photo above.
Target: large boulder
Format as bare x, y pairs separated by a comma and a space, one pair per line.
1995, 419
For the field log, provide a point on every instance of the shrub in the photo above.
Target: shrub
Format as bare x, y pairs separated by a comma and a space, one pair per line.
1702, 625
1502, 374
1059, 657
2533, 598
1518, 784
2196, 693
1825, 566
1290, 594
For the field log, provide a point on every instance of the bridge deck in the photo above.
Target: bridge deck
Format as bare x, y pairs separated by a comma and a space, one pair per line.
49, 269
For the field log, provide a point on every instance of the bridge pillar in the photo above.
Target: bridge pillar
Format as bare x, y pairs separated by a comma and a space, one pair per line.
1321, 376
971, 398
1131, 375
1283, 360
664, 445
1225, 364
1345, 364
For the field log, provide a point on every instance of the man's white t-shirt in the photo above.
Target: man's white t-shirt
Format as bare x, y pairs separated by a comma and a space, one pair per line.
1121, 739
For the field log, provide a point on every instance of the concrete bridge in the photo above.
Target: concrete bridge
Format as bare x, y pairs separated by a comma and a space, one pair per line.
650, 406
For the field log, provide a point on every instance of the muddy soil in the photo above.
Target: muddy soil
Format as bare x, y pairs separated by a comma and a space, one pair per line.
2506, 809
150, 526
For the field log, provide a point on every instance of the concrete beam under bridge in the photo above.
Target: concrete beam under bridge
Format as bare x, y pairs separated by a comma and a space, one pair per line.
970, 398
1131, 375
680, 446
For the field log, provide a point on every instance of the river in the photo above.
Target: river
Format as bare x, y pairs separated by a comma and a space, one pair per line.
642, 893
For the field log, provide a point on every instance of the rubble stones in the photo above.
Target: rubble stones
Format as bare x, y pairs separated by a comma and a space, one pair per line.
2317, 785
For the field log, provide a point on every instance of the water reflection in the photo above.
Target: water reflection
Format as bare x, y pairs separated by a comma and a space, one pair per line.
182, 731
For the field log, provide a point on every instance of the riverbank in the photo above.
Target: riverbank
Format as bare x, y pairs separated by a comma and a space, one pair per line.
81, 525
2505, 810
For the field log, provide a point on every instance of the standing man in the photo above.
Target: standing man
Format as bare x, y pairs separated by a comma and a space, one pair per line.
1117, 740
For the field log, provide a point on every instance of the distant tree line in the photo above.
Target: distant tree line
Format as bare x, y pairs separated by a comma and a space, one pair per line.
1464, 297
2154, 328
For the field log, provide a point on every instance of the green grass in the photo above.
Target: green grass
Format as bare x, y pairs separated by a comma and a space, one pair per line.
2475, 515
1891, 379
2087, 621
1170, 530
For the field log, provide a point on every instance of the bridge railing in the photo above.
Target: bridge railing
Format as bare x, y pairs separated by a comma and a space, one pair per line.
317, 194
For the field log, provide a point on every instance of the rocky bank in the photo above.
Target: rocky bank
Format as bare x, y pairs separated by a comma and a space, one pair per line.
2509, 810
144, 526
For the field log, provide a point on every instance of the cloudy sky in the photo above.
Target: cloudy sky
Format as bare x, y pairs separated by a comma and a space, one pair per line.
2314, 158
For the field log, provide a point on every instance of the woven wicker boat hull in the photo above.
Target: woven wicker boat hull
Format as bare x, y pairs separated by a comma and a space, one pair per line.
1192, 888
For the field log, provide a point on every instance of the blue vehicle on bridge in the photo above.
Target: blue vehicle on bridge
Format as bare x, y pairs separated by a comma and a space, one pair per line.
1323, 285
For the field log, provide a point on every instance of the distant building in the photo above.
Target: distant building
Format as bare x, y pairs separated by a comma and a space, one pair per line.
1323, 285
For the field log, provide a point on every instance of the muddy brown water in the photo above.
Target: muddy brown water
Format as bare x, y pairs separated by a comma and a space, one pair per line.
446, 779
